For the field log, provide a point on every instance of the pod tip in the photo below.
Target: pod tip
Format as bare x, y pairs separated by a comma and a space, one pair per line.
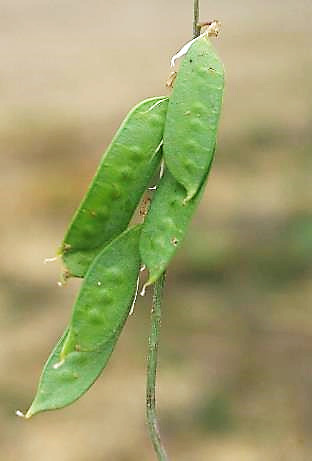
187, 199
20, 414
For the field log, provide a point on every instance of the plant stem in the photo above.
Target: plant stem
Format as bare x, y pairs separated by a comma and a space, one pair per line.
153, 341
152, 360
196, 26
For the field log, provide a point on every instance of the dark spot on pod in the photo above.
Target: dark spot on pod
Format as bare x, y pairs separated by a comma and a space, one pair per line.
65, 276
66, 247
173, 202
111, 192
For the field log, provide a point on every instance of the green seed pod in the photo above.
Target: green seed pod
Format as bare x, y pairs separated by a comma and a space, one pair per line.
106, 295
100, 312
193, 115
166, 224
121, 178
60, 386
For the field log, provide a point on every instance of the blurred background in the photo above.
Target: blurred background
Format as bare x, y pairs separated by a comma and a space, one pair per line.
235, 377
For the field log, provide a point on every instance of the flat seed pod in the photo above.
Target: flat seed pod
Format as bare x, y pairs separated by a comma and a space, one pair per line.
99, 315
122, 177
193, 115
106, 295
166, 224
60, 386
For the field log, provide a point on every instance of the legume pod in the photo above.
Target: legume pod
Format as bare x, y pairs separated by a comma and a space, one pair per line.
99, 315
106, 294
166, 224
61, 386
117, 187
193, 115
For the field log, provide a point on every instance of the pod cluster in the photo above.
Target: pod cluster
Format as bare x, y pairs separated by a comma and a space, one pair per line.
103, 247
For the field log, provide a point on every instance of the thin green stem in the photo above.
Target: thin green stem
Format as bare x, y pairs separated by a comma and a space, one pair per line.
152, 360
153, 342
196, 26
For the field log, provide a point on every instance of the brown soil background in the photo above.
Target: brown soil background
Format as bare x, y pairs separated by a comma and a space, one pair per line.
235, 374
